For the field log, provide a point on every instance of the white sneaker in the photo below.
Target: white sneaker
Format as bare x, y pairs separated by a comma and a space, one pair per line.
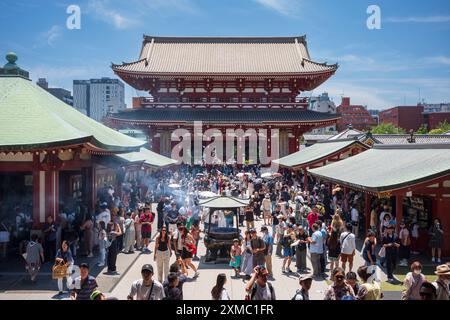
439, 260
196, 274
90, 255
432, 260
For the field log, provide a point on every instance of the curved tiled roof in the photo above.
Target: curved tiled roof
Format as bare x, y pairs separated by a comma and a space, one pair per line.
147, 157
31, 118
316, 152
224, 115
207, 55
389, 167
403, 138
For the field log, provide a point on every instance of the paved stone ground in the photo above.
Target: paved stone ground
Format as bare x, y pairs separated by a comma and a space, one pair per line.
200, 288
16, 286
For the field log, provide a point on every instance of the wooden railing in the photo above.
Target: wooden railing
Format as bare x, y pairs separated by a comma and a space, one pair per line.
223, 105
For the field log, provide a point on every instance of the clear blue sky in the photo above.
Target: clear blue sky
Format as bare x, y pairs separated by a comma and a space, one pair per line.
378, 68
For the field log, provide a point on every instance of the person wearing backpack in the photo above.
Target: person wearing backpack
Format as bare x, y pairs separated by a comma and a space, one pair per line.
305, 284
258, 288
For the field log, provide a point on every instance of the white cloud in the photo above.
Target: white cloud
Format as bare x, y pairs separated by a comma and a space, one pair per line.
352, 58
285, 7
51, 35
101, 10
373, 97
424, 19
438, 60
166, 6
125, 15
364, 63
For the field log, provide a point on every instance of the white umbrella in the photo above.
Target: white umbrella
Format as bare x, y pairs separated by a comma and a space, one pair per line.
207, 194
276, 174
266, 175
174, 185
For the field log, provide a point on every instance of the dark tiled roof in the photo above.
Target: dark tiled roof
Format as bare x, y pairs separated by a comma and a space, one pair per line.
224, 115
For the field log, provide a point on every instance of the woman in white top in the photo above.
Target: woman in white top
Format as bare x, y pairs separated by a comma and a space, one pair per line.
218, 292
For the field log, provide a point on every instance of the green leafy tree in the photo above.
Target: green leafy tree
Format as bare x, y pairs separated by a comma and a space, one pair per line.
442, 128
421, 130
387, 128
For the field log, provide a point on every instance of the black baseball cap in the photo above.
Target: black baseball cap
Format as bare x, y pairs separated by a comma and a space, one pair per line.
147, 267
84, 265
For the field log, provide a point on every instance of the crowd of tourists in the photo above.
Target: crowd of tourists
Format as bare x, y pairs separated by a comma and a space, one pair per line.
316, 220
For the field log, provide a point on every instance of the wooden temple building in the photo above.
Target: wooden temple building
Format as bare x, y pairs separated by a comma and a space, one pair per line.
413, 177
224, 82
51, 155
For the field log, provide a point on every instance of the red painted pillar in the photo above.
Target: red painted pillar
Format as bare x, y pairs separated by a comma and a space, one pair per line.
294, 142
51, 193
292, 147
36, 191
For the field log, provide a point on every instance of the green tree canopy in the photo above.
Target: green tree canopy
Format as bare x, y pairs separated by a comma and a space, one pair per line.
387, 128
421, 130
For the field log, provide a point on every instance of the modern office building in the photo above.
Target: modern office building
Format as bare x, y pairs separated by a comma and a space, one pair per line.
60, 93
324, 104
98, 97
435, 107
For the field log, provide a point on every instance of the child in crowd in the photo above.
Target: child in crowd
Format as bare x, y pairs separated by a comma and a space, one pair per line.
235, 254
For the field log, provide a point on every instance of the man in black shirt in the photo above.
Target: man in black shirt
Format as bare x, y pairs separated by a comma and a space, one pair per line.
258, 248
160, 211
300, 251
